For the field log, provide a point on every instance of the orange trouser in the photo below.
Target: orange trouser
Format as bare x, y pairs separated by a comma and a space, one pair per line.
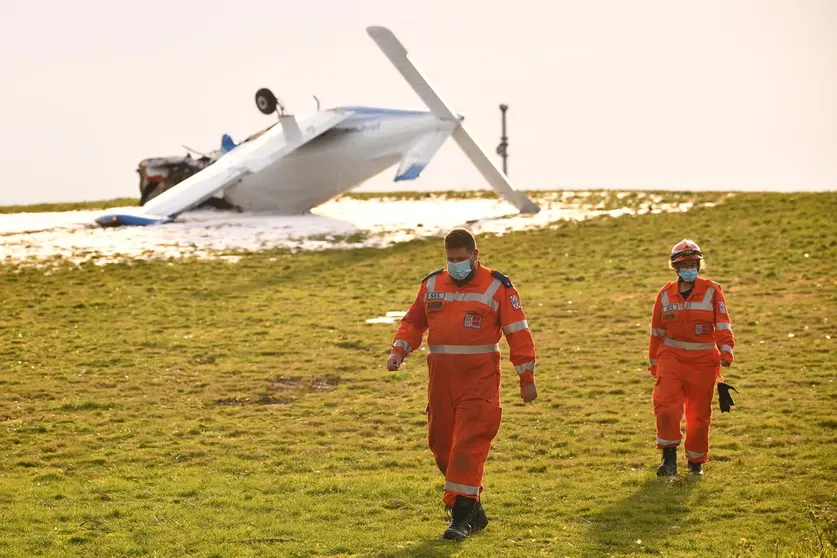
688, 381
463, 415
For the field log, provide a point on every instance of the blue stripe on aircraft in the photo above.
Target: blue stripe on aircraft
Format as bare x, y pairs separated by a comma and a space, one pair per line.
124, 219
410, 174
377, 111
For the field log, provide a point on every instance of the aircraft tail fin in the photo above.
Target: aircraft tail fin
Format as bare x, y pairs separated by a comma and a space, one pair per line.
419, 155
227, 143
397, 55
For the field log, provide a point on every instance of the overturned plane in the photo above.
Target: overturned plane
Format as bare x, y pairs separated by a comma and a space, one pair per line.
158, 174
297, 164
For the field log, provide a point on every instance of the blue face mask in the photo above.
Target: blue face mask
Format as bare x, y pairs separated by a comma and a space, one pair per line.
459, 270
688, 275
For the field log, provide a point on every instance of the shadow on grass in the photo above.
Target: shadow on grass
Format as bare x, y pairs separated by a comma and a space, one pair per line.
640, 523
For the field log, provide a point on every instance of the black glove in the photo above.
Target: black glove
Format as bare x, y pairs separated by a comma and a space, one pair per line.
724, 398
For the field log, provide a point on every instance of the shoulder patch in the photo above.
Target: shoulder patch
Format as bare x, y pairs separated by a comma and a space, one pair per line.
431, 274
503, 279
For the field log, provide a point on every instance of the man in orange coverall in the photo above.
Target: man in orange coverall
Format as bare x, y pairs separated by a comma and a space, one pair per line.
691, 337
465, 307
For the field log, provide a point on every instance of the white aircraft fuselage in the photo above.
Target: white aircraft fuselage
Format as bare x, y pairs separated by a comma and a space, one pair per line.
367, 143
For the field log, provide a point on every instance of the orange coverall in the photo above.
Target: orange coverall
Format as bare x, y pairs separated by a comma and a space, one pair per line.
689, 337
463, 358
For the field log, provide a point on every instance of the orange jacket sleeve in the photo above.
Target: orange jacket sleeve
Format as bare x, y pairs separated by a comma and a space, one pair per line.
412, 326
516, 329
658, 332
723, 326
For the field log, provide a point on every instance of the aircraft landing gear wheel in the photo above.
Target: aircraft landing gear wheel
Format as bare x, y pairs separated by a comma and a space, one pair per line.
266, 101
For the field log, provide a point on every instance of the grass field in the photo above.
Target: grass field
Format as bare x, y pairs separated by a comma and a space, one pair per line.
206, 408
70, 206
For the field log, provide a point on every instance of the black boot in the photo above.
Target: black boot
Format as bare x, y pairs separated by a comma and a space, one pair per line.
668, 467
460, 526
695, 468
478, 518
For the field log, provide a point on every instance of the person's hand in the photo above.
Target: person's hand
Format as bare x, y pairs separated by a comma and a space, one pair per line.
529, 393
394, 362
726, 363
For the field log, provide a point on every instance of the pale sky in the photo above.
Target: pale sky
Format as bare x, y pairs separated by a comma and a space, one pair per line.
717, 94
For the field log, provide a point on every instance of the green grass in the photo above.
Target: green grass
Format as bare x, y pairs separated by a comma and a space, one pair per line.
214, 409
69, 206
612, 197
126, 202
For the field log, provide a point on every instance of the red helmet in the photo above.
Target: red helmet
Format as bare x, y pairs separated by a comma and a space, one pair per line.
686, 250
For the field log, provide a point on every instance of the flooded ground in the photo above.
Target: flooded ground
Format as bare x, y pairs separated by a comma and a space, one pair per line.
347, 222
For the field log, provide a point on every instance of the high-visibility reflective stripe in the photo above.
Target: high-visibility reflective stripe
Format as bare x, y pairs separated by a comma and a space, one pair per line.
492, 288
462, 488
464, 297
658, 331
431, 284
688, 346
515, 326
723, 326
464, 349
404, 345
706, 304
522, 368
726, 349
662, 442
695, 454
652, 362
486, 298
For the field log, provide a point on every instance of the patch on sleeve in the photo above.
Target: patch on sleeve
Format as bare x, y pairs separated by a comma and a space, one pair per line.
515, 301
668, 317
722, 307
473, 321
703, 329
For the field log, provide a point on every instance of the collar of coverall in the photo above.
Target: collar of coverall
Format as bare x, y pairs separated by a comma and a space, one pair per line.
465, 281
675, 285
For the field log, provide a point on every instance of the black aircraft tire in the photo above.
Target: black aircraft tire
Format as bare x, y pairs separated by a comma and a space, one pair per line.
266, 101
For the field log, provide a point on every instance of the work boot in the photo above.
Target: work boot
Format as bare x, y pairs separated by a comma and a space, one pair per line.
668, 467
478, 518
695, 468
460, 512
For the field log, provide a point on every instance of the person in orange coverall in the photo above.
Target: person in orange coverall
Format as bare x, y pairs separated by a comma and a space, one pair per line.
691, 338
465, 308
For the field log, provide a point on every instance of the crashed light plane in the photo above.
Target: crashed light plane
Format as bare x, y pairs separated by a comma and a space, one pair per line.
297, 164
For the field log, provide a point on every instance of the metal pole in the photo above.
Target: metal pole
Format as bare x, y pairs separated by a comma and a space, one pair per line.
502, 149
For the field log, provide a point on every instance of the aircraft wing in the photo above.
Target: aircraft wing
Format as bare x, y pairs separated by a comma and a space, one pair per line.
247, 158
397, 55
